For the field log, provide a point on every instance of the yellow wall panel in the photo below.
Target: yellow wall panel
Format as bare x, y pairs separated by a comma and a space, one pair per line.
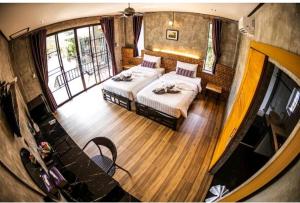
252, 75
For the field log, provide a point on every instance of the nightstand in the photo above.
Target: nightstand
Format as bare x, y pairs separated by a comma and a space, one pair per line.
213, 88
126, 67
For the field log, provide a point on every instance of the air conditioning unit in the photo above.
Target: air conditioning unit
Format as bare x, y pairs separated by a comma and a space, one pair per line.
247, 26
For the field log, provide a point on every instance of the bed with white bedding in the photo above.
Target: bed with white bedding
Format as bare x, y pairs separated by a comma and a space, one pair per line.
123, 92
172, 106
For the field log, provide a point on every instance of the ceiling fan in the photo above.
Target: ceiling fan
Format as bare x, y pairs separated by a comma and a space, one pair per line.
129, 11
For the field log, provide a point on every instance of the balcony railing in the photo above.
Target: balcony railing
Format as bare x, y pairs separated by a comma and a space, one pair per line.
74, 73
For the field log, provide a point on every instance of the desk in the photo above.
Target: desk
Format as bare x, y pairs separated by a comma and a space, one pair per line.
77, 167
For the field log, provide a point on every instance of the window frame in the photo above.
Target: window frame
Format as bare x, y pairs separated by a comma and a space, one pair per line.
97, 54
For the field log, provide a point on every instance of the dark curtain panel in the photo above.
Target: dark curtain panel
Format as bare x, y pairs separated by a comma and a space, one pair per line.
137, 25
216, 39
107, 25
39, 53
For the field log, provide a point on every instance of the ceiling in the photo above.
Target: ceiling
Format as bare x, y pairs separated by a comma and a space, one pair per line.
14, 17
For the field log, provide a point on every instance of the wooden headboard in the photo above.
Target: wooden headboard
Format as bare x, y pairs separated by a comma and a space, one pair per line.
222, 76
168, 61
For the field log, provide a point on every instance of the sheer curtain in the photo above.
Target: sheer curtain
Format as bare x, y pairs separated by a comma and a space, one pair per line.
141, 44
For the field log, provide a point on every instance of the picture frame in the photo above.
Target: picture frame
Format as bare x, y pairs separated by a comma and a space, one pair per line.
172, 34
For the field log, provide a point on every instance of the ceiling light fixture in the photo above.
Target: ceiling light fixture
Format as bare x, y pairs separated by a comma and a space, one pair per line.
129, 11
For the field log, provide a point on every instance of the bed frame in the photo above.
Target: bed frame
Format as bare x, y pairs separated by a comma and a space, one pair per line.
158, 116
116, 99
168, 61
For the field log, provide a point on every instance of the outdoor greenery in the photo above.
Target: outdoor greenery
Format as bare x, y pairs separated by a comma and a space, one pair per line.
210, 57
71, 48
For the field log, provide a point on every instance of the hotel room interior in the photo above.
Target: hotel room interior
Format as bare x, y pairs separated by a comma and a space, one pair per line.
154, 101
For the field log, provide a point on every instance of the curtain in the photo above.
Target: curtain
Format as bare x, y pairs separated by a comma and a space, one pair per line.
107, 25
137, 25
216, 39
39, 53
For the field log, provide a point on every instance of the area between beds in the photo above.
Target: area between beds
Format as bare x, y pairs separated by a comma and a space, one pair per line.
141, 77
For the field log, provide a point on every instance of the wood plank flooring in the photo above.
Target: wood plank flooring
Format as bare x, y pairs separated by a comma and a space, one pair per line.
166, 165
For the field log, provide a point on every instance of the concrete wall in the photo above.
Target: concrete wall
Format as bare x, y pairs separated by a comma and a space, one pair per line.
275, 24
23, 62
10, 188
128, 32
193, 34
285, 189
23, 65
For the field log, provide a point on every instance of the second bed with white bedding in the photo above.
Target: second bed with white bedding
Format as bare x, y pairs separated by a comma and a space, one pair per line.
175, 105
141, 77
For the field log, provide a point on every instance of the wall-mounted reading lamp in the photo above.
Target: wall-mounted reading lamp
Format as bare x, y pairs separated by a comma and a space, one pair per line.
171, 22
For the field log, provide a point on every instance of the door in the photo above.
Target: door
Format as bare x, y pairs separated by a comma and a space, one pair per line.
77, 60
101, 54
86, 56
56, 82
244, 98
69, 60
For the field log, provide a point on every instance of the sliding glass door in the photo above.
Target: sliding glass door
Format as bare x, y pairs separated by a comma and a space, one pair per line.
56, 82
69, 60
86, 56
77, 60
100, 53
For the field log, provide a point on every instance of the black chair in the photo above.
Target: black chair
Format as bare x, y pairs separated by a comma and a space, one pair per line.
104, 162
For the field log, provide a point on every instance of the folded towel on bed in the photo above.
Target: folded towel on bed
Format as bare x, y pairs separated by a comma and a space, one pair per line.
122, 77
167, 89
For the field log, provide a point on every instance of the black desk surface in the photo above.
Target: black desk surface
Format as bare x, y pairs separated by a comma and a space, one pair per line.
75, 160
98, 186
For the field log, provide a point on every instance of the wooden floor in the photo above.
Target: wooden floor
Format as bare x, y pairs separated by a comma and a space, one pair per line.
165, 165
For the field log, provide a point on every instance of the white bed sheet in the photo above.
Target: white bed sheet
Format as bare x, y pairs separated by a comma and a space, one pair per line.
141, 77
171, 104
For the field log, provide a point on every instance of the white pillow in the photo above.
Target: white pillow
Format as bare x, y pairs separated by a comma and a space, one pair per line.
155, 59
187, 66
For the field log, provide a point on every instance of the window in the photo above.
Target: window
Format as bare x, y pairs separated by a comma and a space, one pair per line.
210, 56
77, 59
293, 101
140, 44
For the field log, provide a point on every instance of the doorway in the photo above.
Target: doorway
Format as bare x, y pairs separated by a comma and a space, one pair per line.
78, 59
276, 114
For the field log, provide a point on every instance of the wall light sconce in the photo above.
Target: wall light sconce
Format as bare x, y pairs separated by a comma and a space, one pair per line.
171, 22
181, 53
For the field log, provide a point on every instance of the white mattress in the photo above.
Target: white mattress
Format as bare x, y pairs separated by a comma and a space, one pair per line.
171, 104
141, 77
